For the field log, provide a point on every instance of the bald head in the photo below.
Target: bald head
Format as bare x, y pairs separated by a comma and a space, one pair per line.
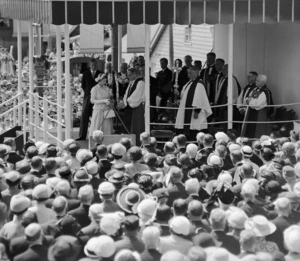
261, 80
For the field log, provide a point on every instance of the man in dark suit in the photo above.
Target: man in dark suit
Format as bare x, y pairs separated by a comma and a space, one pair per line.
87, 83
164, 82
175, 189
86, 197
104, 164
282, 222
36, 250
208, 76
18, 245
218, 222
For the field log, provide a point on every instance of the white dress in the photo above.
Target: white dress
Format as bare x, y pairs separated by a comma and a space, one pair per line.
99, 120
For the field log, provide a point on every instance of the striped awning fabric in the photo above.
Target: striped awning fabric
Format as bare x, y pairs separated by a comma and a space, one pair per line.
75, 12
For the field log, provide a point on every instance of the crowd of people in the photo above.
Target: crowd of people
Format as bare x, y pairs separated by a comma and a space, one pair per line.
222, 198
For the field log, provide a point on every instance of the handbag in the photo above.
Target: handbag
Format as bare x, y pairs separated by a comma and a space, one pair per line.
109, 114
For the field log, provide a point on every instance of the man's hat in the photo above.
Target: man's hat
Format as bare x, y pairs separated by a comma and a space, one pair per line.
41, 192
128, 199
12, 176
118, 149
116, 176
81, 175
106, 188
64, 171
100, 247
215, 160
23, 167
19, 204
67, 248
260, 226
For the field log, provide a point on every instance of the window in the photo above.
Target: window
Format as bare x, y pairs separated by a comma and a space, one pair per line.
188, 35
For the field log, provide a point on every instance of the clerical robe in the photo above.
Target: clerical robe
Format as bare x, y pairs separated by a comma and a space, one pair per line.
193, 95
258, 111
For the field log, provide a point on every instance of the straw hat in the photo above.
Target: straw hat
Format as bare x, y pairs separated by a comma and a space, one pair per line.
260, 226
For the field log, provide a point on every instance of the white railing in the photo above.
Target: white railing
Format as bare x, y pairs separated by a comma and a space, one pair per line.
21, 107
16, 118
40, 110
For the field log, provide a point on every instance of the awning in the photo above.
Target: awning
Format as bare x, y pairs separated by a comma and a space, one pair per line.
75, 12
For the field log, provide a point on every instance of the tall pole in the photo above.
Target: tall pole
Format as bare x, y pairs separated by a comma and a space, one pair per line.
19, 40
58, 78
68, 104
114, 46
171, 46
119, 46
230, 74
147, 78
30, 61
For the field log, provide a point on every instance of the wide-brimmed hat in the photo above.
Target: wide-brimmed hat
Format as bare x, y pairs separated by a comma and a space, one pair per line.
116, 176
292, 238
129, 198
260, 225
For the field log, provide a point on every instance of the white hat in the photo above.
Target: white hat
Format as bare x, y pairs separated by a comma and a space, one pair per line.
118, 149
233, 147
102, 246
214, 160
147, 208
237, 219
292, 238
225, 177
41, 192
219, 254
32, 230
82, 153
248, 189
110, 223
52, 182
92, 167
19, 204
192, 185
106, 188
43, 148
260, 225
12, 176
180, 225
221, 136
191, 150
253, 182
247, 151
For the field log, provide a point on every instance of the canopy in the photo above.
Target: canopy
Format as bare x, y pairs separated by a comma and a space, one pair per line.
75, 12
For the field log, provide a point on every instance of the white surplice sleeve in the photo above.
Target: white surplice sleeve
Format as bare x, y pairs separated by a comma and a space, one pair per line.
138, 96
259, 103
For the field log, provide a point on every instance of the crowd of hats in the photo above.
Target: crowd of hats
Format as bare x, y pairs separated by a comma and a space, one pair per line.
222, 198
